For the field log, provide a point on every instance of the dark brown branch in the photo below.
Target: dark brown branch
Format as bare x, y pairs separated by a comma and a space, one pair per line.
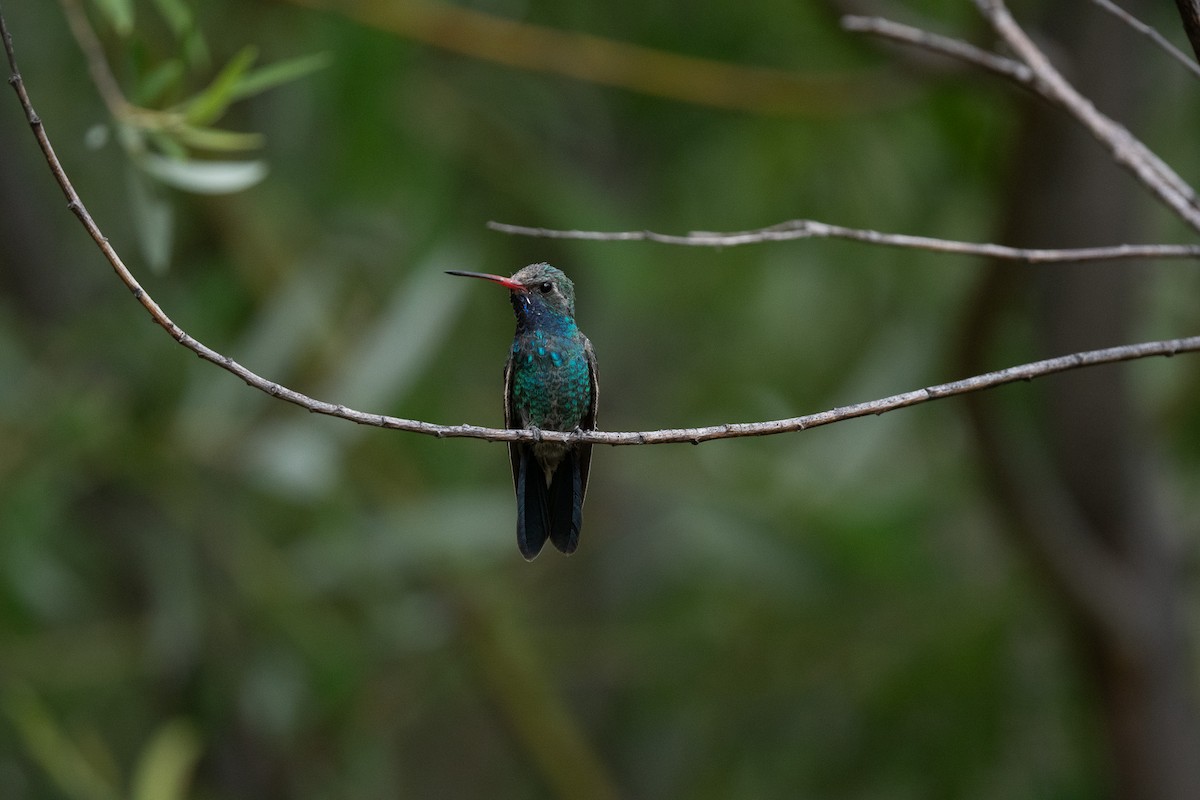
811, 229
1189, 14
1023, 372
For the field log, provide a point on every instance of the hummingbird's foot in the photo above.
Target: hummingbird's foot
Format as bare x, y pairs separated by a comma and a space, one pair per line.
537, 434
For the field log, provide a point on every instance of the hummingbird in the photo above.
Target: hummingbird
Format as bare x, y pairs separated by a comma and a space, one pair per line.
549, 384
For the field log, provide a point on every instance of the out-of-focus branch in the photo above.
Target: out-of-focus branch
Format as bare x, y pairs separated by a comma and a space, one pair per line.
812, 229
1151, 33
611, 63
1033, 70
1189, 14
1124, 148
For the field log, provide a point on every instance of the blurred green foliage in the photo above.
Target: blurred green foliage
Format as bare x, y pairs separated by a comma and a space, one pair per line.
206, 593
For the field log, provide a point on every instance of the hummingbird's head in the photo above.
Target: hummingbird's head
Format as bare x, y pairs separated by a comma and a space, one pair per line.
535, 285
549, 285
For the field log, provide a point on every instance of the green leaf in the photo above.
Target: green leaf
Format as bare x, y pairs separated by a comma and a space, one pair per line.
165, 766
273, 75
217, 139
155, 83
203, 177
196, 48
153, 220
119, 14
208, 106
166, 143
47, 744
177, 14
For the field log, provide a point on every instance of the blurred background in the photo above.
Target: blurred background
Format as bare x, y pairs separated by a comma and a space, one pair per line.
208, 593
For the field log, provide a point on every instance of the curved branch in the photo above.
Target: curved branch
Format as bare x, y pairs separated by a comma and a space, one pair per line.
1022, 372
1033, 70
812, 229
1125, 148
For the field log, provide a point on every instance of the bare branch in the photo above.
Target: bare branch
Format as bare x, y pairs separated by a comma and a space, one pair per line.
811, 229
1153, 34
943, 45
1037, 73
1022, 372
1189, 14
1125, 148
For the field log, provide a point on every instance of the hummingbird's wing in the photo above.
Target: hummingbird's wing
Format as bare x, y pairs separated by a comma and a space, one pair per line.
533, 522
510, 420
588, 422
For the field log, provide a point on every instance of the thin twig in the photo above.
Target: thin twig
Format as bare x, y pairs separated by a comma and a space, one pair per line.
1189, 15
1039, 75
812, 229
1022, 372
936, 43
1151, 32
1125, 148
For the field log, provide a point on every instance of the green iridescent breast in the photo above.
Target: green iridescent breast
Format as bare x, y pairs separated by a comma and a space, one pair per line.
551, 387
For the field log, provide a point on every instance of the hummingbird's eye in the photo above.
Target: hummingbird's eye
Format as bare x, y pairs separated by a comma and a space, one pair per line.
545, 287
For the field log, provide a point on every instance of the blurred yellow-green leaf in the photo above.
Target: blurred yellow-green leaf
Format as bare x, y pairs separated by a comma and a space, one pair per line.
268, 77
158, 81
163, 771
119, 14
44, 740
210, 104
217, 140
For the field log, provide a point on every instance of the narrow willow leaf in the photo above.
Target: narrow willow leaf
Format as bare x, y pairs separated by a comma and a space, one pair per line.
47, 744
273, 75
153, 220
217, 140
203, 177
208, 106
165, 766
167, 144
177, 14
158, 81
119, 14
195, 47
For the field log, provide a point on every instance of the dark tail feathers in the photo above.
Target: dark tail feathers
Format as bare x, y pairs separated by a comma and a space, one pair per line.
554, 512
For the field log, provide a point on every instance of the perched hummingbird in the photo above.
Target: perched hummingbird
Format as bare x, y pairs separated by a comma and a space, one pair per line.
549, 384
